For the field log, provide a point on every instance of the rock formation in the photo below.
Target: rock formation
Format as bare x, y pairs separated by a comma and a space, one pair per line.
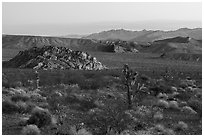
51, 57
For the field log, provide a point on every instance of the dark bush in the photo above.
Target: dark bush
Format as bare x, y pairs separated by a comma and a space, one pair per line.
25, 107
40, 117
113, 115
144, 78
183, 96
9, 107
85, 103
20, 97
196, 105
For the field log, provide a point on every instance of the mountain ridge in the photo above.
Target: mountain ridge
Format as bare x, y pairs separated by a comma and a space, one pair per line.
145, 35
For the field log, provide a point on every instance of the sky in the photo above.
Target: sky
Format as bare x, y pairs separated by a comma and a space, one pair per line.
57, 18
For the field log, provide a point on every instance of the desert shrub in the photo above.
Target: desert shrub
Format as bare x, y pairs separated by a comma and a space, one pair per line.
36, 97
162, 96
173, 105
44, 105
148, 101
188, 110
182, 103
196, 105
155, 90
7, 91
162, 103
158, 116
142, 111
30, 130
9, 107
85, 103
183, 96
54, 100
173, 89
161, 130
10, 84
181, 126
94, 82
144, 132
20, 97
23, 121
40, 117
183, 84
22, 107
113, 115
144, 78
74, 131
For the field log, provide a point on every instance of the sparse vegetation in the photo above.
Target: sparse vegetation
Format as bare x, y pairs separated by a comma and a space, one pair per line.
95, 102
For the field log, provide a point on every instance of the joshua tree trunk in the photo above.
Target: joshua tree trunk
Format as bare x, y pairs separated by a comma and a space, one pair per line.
129, 97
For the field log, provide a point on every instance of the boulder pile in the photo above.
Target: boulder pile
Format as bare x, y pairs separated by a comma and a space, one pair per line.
51, 57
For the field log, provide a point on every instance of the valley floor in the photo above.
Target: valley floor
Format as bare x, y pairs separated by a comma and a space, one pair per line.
95, 102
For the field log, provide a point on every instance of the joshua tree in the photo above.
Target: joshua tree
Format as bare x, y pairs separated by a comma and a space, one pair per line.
37, 79
130, 78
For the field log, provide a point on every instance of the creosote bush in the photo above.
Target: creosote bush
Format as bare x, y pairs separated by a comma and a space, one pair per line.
40, 117
9, 107
20, 97
30, 130
74, 131
181, 126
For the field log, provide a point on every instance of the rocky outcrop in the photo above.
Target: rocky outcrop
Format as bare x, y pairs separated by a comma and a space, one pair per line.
51, 57
119, 46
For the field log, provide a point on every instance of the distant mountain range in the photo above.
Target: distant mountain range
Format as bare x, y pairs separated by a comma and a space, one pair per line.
73, 36
174, 43
145, 35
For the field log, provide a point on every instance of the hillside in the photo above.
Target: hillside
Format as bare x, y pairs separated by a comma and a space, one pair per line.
12, 44
175, 45
178, 48
23, 42
145, 35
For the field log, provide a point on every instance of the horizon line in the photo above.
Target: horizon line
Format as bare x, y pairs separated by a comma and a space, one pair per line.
102, 31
